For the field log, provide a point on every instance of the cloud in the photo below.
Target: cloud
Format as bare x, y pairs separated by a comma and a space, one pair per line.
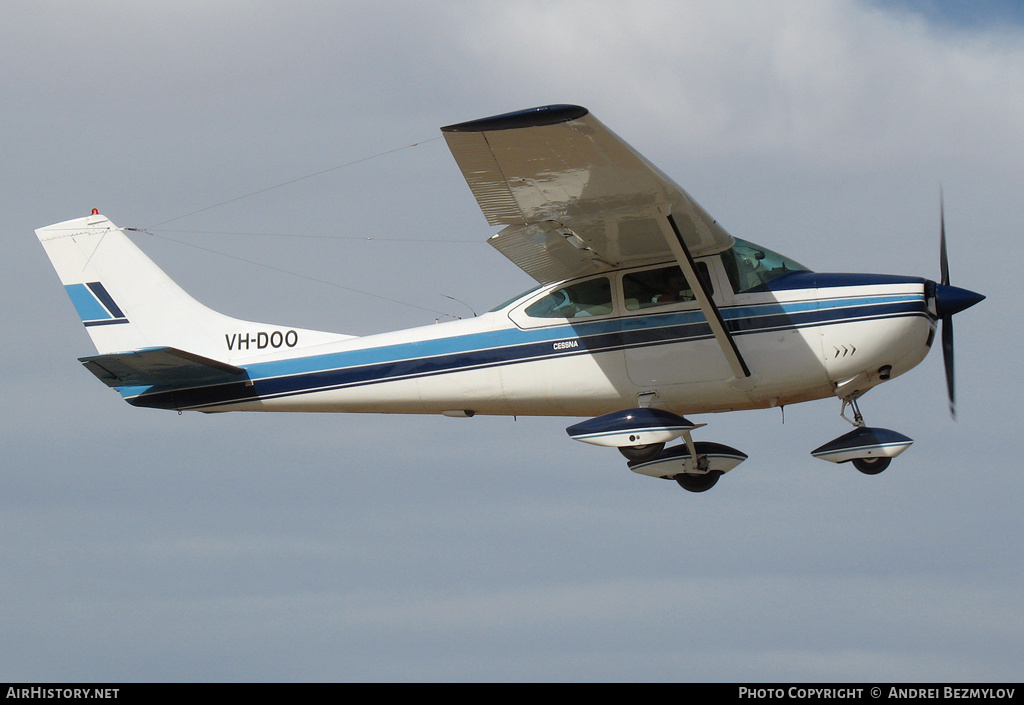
834, 83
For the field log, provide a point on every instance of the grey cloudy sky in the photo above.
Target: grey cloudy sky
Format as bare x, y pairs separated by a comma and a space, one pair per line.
141, 545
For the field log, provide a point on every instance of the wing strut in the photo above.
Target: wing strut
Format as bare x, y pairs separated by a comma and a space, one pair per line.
743, 378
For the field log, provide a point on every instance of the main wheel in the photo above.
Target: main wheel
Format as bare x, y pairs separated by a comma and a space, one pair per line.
698, 483
871, 466
642, 453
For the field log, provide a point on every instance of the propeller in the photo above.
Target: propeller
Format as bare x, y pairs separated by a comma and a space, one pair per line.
948, 301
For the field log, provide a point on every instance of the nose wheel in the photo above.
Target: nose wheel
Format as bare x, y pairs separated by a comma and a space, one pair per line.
871, 466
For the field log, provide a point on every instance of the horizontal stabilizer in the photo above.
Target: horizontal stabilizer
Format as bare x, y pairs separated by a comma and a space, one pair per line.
168, 367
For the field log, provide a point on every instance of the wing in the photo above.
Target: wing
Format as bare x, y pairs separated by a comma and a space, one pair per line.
575, 198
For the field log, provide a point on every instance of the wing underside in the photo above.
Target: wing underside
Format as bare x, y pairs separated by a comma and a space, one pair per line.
575, 198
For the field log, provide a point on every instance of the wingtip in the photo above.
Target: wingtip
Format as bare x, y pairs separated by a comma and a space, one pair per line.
531, 117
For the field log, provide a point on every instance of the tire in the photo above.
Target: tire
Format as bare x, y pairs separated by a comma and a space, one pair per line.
697, 483
871, 466
642, 453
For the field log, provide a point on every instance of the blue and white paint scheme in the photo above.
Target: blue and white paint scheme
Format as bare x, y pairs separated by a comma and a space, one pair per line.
94, 305
646, 309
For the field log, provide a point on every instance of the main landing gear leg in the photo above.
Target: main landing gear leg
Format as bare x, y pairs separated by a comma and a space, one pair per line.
697, 477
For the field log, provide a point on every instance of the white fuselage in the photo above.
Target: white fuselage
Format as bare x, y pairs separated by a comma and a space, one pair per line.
808, 336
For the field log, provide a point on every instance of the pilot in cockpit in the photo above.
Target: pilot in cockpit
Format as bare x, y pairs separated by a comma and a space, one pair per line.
672, 288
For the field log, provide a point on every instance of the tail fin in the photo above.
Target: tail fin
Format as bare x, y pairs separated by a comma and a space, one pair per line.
127, 303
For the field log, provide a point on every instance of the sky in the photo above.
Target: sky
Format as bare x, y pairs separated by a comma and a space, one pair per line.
284, 159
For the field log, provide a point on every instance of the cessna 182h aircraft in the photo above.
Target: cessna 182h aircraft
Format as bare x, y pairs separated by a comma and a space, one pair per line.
646, 310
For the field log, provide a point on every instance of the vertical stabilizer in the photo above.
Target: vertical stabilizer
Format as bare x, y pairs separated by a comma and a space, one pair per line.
128, 303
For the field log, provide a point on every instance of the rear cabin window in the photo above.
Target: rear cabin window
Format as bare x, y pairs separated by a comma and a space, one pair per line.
661, 287
588, 298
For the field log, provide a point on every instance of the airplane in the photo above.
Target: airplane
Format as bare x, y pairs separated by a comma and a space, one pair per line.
646, 310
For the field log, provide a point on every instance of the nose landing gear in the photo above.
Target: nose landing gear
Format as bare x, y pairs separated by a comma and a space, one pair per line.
869, 449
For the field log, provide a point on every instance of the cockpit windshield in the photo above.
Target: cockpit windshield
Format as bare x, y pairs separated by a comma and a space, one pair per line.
506, 304
749, 266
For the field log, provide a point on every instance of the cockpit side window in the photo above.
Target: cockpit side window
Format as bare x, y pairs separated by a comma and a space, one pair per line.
660, 287
749, 266
588, 298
